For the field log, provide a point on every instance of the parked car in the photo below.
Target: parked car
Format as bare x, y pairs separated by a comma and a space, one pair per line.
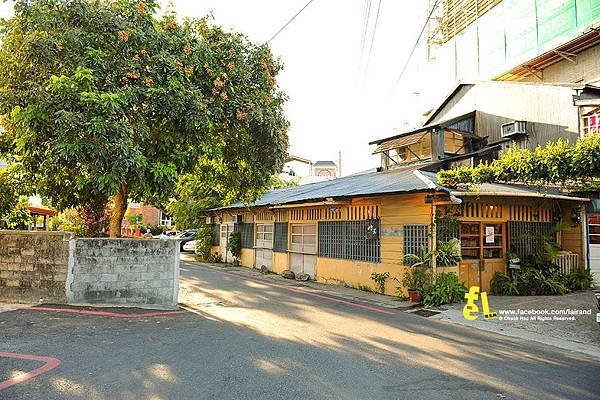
172, 233
190, 246
185, 238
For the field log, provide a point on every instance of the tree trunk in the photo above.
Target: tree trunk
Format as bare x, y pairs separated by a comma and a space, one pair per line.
118, 211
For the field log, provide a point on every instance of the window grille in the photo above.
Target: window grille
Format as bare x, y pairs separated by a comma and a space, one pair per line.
246, 231
216, 229
525, 237
350, 240
446, 230
280, 244
416, 241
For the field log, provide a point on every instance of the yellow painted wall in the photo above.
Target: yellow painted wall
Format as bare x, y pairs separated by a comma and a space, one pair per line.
357, 273
280, 262
247, 258
572, 238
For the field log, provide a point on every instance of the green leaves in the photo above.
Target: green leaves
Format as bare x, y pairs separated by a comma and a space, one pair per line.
559, 162
97, 93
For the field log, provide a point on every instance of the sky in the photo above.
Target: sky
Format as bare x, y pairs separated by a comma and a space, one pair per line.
334, 104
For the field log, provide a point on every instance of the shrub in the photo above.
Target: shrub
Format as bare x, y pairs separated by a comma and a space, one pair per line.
416, 277
532, 281
379, 279
446, 288
203, 239
234, 244
157, 229
579, 279
502, 284
447, 253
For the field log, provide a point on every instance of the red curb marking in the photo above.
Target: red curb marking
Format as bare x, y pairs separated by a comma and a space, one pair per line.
379, 310
105, 313
50, 363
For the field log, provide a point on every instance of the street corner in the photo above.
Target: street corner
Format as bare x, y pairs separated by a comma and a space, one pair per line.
16, 368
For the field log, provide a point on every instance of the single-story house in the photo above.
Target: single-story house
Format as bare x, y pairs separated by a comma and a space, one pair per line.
341, 231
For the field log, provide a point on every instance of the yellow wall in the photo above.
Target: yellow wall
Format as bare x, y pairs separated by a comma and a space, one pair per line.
280, 262
247, 258
215, 249
357, 273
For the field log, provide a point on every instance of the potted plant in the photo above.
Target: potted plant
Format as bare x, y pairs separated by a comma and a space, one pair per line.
416, 277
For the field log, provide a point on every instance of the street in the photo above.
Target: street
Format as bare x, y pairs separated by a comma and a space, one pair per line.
241, 338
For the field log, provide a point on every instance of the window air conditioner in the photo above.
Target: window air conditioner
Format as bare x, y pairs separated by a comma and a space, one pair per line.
513, 128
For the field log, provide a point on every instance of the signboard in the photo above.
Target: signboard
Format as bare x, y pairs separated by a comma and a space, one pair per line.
489, 234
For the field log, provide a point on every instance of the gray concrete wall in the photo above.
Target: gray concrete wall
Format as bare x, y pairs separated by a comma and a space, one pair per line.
124, 271
54, 267
33, 266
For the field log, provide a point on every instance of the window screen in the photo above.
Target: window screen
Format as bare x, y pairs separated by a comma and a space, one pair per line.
280, 243
246, 234
350, 240
416, 241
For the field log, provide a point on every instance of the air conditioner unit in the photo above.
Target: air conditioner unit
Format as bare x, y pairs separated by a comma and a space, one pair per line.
513, 128
238, 218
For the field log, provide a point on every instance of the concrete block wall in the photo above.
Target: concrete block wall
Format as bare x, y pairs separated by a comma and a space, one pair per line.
33, 266
124, 271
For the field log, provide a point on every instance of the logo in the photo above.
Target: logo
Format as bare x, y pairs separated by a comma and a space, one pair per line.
471, 310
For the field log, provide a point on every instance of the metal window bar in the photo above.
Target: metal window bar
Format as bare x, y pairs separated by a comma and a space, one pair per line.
525, 236
350, 240
246, 231
446, 230
416, 241
280, 237
216, 237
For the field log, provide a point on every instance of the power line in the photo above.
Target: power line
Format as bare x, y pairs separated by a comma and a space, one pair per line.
290, 21
372, 39
363, 39
416, 44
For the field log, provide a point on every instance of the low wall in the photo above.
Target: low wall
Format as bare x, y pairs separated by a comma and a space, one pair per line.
125, 271
33, 266
55, 267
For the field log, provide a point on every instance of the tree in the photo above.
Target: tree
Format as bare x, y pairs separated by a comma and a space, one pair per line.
574, 164
103, 100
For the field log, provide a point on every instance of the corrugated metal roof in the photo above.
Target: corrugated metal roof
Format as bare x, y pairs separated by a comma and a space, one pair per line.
400, 142
398, 180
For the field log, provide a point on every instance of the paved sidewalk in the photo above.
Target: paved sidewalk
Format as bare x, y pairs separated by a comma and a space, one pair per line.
582, 334
342, 292
4, 307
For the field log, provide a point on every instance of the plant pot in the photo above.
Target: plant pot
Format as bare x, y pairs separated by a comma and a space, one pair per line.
414, 296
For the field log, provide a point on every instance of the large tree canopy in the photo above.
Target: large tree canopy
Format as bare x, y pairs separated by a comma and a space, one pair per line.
103, 99
573, 164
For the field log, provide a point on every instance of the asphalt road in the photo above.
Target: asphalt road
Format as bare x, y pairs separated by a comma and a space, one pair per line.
250, 340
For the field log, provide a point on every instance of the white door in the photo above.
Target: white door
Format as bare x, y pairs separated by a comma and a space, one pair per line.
303, 249
594, 241
226, 230
264, 246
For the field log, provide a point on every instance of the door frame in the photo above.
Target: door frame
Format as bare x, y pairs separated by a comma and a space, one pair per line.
482, 262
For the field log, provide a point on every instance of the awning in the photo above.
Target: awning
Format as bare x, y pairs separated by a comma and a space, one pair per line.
400, 142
